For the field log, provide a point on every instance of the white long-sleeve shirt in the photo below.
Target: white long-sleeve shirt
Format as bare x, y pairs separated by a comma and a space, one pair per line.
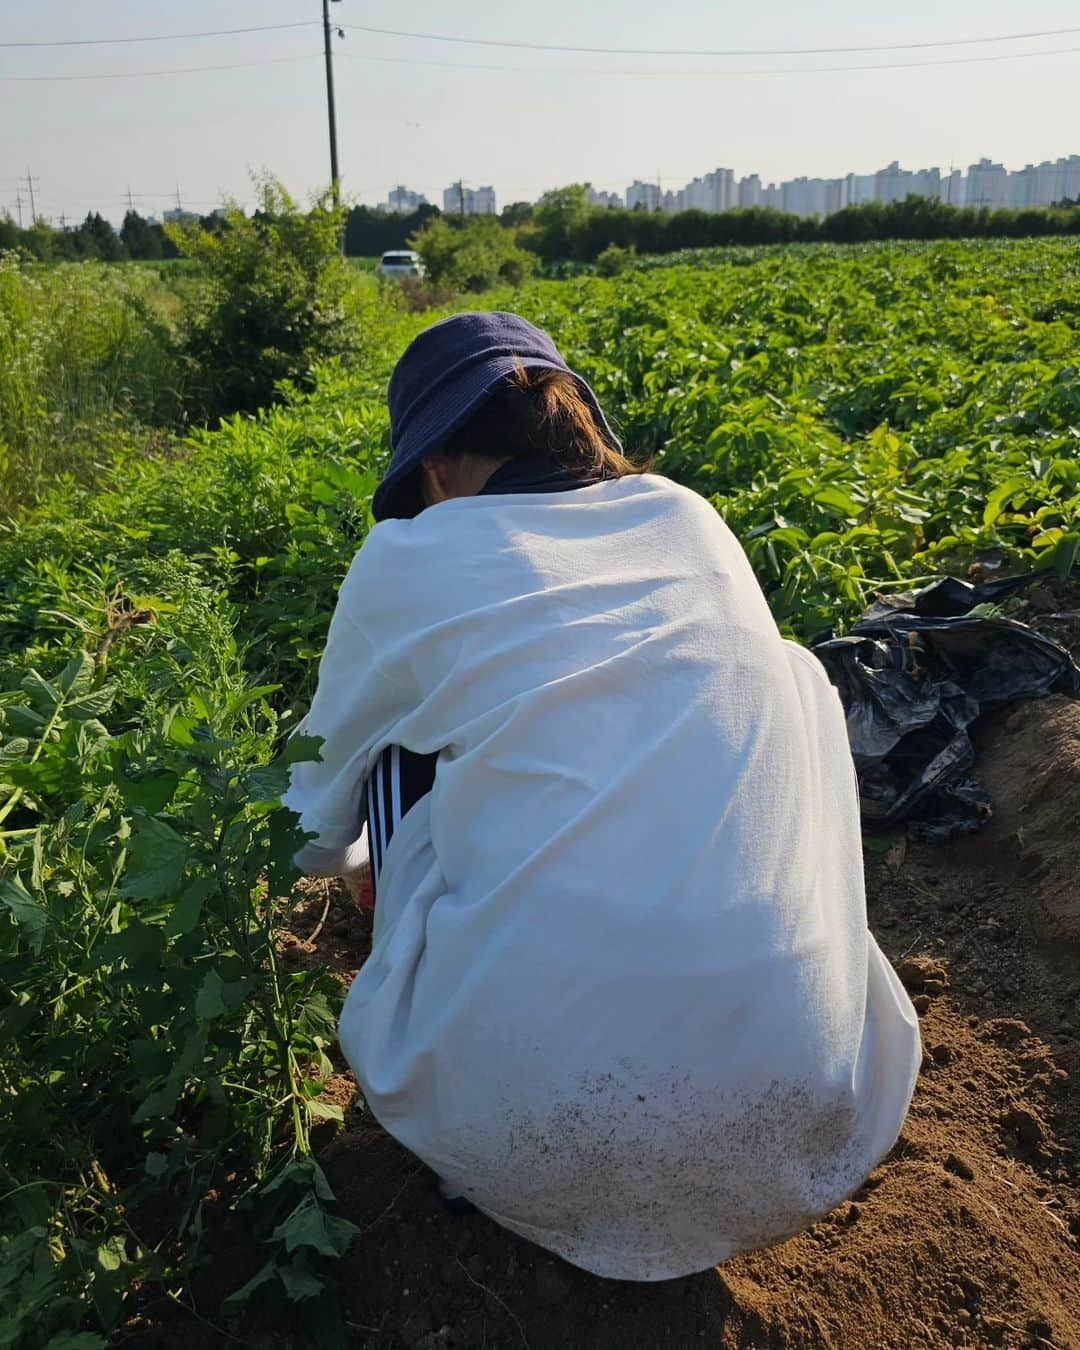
622, 993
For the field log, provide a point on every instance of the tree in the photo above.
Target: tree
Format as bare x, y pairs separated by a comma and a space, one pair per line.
9, 234
369, 233
474, 256
98, 239
557, 215
140, 238
517, 213
275, 300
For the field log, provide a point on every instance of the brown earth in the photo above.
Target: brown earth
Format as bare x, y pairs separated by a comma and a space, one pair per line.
967, 1235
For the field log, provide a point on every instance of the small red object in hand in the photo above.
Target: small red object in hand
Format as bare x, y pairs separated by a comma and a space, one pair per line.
360, 888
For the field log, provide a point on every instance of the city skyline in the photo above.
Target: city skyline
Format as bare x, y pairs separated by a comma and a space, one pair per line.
984, 183
91, 121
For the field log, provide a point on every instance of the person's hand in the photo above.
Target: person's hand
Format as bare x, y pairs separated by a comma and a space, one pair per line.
358, 884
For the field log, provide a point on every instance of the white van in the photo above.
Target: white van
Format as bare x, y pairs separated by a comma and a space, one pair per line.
400, 263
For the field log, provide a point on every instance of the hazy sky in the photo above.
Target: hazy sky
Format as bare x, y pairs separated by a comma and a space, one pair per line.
420, 116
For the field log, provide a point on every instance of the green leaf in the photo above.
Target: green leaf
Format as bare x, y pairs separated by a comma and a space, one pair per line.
157, 859
321, 1110
208, 1001
151, 791
1065, 555
188, 909
15, 750
315, 1017
837, 500
300, 1172
267, 784
77, 1340
156, 1164
24, 721
42, 694
112, 1253
160, 1102
300, 1280
301, 748
249, 696
96, 703
995, 503
77, 677
239, 1297
31, 918
310, 1226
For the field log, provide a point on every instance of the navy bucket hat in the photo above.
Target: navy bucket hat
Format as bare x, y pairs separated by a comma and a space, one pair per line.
443, 378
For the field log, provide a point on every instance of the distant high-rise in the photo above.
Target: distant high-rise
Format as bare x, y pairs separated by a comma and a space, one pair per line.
954, 188
749, 191
987, 184
608, 199
461, 200
402, 202
643, 195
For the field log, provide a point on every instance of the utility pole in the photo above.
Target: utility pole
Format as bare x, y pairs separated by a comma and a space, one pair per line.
33, 210
461, 198
18, 206
331, 115
131, 205
178, 206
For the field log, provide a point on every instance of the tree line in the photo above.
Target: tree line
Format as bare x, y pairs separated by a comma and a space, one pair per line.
367, 234
564, 226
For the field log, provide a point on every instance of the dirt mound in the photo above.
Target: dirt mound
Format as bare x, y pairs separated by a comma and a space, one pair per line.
961, 1238
1029, 760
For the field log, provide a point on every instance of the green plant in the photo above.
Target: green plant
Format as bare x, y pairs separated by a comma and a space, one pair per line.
275, 300
472, 257
86, 358
155, 1042
614, 260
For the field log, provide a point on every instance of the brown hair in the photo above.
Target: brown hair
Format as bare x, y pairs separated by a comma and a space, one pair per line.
541, 412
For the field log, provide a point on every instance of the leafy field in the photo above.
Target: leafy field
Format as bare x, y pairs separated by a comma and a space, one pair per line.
862, 418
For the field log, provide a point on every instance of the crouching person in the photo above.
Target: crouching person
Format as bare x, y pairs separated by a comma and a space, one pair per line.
622, 995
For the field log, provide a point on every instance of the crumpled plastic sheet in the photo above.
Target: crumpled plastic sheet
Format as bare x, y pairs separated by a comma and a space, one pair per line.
914, 674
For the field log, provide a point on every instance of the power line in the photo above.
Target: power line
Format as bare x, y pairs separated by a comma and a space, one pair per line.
696, 74
143, 74
161, 37
730, 51
544, 70
551, 46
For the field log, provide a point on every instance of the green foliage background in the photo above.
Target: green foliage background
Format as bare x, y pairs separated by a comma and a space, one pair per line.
862, 418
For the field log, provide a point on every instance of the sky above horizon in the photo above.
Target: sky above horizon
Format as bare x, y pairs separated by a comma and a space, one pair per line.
423, 112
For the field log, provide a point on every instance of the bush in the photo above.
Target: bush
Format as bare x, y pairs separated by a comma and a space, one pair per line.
474, 256
614, 260
86, 353
275, 301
